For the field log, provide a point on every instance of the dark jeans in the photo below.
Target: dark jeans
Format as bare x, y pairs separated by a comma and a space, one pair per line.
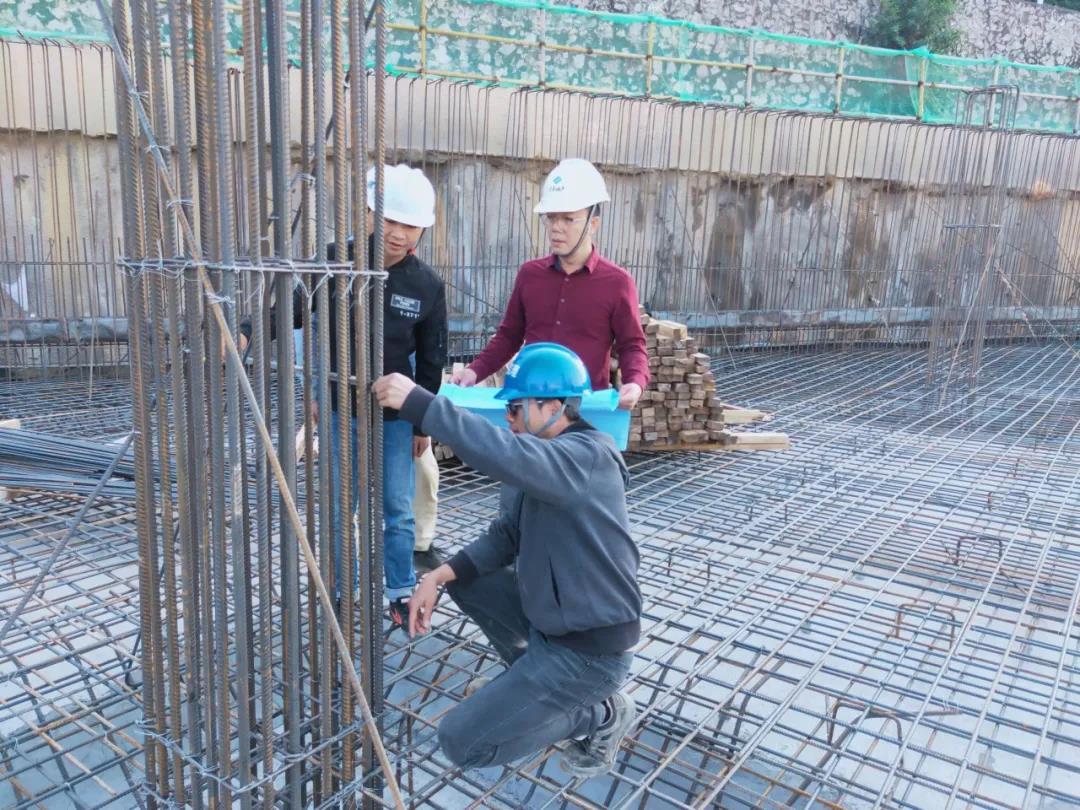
549, 692
399, 484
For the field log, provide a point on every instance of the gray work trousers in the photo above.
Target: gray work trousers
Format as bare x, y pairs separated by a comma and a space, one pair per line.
548, 693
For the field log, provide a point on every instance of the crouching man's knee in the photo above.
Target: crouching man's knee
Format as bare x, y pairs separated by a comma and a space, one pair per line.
458, 739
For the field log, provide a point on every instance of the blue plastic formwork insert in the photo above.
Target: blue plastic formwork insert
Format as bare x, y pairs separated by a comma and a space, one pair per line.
599, 408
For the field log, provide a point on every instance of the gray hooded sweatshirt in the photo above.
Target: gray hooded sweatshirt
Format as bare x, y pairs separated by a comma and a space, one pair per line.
562, 522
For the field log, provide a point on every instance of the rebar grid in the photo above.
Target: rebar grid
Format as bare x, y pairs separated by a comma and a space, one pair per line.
67, 675
880, 616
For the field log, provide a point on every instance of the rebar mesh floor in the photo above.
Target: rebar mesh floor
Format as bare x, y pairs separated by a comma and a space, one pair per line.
882, 616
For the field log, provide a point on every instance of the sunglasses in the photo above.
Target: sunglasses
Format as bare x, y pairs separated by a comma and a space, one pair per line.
514, 408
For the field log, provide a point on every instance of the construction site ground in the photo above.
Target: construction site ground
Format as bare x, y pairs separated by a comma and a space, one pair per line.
883, 615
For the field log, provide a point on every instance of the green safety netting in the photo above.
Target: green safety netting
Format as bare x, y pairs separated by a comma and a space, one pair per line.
521, 42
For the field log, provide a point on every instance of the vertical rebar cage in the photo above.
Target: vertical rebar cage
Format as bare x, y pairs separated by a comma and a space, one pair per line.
971, 273
259, 686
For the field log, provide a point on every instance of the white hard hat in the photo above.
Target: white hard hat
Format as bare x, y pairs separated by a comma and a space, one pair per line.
409, 197
572, 185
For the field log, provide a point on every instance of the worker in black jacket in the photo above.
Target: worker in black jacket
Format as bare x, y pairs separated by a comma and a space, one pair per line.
415, 326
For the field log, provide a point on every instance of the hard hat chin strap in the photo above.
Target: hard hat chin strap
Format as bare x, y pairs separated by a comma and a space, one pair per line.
551, 421
419, 239
585, 230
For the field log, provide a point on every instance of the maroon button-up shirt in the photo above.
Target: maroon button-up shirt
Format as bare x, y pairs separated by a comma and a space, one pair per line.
587, 311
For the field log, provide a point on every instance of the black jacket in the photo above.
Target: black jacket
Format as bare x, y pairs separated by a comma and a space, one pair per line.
414, 320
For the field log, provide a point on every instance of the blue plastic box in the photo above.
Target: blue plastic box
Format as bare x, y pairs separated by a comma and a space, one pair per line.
600, 409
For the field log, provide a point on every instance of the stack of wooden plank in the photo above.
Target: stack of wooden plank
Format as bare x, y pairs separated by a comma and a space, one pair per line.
680, 409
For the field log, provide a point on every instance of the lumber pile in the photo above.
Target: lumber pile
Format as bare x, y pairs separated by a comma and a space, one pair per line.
680, 409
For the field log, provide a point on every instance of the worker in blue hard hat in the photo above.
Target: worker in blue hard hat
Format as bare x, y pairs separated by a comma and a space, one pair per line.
552, 581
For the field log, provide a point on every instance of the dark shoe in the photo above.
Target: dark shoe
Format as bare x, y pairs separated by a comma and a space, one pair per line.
427, 561
596, 754
399, 613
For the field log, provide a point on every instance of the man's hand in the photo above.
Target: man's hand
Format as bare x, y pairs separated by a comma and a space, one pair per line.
420, 444
466, 378
425, 597
392, 390
301, 443
629, 395
241, 346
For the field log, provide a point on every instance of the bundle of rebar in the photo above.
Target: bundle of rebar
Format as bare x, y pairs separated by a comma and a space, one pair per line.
259, 685
46, 451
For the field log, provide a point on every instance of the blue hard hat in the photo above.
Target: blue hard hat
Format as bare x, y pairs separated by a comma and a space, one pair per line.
545, 371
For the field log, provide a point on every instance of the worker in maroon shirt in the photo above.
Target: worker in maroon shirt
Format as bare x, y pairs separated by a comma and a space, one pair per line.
574, 296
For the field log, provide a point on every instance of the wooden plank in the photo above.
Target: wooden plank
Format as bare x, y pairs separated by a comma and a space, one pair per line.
705, 447
671, 329
770, 440
740, 416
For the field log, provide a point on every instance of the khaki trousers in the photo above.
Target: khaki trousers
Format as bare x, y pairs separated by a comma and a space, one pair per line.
426, 500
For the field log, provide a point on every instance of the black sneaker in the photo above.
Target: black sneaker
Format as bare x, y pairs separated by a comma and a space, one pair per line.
399, 613
596, 754
427, 561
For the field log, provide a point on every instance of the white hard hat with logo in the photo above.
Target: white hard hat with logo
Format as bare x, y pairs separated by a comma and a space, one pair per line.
571, 186
409, 197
